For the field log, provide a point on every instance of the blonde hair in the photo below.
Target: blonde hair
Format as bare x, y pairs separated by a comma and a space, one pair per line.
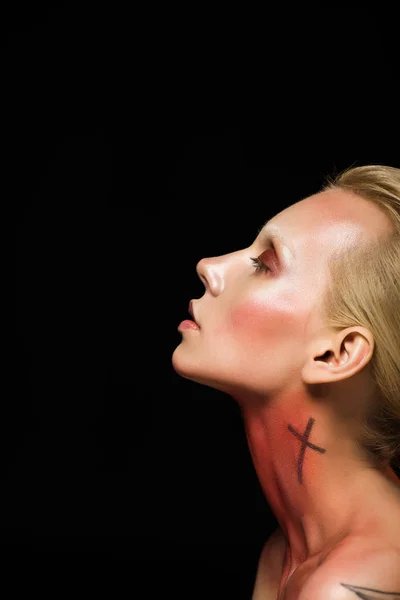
364, 289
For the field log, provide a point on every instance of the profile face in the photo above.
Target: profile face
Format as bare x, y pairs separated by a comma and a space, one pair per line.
261, 303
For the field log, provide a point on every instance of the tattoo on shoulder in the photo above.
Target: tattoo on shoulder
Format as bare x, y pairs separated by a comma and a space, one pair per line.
304, 444
371, 594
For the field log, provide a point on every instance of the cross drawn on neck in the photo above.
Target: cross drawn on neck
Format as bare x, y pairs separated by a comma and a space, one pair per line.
304, 444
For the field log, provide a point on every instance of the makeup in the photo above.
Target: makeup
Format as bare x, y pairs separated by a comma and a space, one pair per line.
188, 325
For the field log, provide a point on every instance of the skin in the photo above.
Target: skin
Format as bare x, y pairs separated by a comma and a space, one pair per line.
262, 340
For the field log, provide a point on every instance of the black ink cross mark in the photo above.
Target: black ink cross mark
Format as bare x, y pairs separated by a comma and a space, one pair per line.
361, 592
305, 443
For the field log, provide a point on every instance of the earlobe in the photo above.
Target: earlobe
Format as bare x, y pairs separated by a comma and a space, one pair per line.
338, 356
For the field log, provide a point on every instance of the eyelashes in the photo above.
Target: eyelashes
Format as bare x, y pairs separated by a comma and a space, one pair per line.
259, 265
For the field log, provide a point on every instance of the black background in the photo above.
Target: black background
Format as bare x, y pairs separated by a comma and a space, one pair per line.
135, 145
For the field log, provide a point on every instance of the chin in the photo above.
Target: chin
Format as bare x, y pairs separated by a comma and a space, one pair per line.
186, 366
181, 363
190, 369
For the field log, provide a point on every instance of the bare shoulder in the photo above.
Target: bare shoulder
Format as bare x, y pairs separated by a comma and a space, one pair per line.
357, 570
270, 566
364, 565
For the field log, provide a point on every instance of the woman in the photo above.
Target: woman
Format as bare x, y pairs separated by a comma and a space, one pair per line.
302, 329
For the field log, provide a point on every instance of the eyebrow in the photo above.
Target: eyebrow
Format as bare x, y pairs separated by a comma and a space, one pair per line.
270, 232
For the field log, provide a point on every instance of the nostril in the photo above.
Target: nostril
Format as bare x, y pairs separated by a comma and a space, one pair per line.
201, 276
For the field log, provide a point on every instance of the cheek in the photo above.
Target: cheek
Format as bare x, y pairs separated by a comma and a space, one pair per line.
256, 320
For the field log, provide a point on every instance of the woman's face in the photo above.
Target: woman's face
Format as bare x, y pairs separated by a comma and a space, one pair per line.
259, 307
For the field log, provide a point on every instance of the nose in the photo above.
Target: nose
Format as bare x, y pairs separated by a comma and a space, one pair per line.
210, 271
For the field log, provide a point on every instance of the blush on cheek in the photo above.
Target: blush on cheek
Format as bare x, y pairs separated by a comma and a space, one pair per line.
256, 320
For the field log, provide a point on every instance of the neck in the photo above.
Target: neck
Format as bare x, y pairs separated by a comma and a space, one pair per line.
312, 473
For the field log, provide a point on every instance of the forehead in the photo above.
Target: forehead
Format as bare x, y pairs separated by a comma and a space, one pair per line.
326, 221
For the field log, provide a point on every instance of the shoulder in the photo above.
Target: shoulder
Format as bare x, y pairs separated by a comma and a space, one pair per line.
270, 565
273, 551
372, 574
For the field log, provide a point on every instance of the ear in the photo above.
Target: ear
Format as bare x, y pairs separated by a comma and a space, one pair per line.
338, 355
